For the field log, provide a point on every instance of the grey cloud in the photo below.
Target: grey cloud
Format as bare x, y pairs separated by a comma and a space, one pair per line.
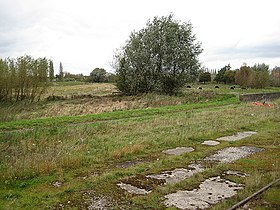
270, 50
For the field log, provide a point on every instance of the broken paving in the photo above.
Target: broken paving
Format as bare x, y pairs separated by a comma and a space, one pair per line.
178, 174
212, 190
231, 154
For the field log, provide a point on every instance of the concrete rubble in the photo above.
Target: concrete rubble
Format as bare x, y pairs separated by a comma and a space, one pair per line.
231, 154
210, 192
178, 174
178, 150
237, 136
210, 143
236, 173
132, 189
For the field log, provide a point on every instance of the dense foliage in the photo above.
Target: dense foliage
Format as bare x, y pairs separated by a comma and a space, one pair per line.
253, 77
24, 78
220, 76
205, 77
275, 76
161, 57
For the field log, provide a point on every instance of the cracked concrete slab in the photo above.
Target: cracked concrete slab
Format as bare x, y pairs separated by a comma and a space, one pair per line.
237, 136
210, 192
236, 173
210, 143
231, 154
178, 174
178, 150
132, 189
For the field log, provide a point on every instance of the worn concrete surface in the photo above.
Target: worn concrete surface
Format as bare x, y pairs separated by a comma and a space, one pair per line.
132, 189
231, 154
99, 203
178, 150
237, 136
210, 143
236, 173
178, 174
210, 192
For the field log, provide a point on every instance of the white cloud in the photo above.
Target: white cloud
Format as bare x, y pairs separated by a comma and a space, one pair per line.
84, 34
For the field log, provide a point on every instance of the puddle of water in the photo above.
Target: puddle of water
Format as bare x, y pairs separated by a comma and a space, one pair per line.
210, 192
231, 154
211, 143
237, 136
178, 174
132, 189
178, 150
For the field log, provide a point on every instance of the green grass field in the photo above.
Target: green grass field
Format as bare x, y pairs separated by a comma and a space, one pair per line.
83, 152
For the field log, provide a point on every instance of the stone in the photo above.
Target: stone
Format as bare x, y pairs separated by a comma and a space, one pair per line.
57, 184
132, 189
178, 150
210, 192
231, 154
178, 174
237, 136
210, 143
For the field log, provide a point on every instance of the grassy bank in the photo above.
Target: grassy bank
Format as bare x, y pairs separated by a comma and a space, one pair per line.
66, 120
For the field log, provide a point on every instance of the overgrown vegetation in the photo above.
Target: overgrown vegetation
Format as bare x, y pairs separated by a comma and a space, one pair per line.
23, 78
253, 77
84, 158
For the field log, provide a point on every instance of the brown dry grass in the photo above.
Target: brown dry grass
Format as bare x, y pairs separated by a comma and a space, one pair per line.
132, 149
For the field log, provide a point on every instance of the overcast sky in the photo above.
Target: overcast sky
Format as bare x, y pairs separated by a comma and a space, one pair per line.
84, 34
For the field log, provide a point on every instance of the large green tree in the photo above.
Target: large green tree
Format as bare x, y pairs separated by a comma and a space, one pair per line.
161, 57
98, 75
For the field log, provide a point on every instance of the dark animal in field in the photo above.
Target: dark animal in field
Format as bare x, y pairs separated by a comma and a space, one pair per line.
189, 86
200, 88
217, 86
232, 88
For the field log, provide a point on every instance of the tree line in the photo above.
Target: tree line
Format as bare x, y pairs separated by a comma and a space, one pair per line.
257, 76
162, 58
23, 78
